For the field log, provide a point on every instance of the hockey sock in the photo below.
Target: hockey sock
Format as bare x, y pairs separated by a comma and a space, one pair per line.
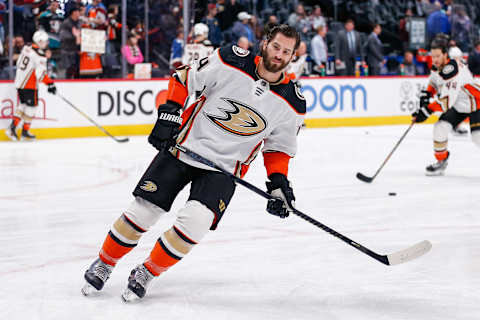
170, 248
26, 126
440, 149
121, 239
16, 120
441, 155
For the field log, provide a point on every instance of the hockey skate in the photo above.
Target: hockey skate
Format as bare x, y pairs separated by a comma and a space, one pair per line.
27, 136
11, 133
138, 282
437, 168
96, 276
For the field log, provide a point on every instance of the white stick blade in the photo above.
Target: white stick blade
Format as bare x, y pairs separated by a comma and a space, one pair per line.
411, 253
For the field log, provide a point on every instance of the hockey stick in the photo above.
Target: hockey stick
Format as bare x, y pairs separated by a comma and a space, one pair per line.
91, 120
364, 178
402, 256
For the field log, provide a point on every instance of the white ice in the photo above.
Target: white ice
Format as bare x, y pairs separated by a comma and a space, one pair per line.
58, 199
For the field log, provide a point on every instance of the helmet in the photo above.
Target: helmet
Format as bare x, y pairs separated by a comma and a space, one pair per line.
200, 29
40, 37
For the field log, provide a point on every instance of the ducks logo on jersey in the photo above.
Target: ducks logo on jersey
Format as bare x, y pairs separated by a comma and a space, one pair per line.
242, 120
148, 186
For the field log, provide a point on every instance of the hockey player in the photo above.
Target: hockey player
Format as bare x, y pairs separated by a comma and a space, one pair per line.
456, 95
246, 101
31, 68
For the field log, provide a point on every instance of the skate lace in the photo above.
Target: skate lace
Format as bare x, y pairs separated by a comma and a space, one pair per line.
102, 271
142, 276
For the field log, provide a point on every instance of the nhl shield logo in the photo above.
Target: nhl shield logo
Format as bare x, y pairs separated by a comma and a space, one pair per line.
148, 186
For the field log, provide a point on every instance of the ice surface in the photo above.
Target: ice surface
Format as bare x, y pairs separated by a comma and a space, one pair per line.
58, 199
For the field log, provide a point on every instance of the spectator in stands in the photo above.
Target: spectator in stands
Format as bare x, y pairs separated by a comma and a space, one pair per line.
461, 29
176, 51
272, 19
300, 21
96, 6
228, 11
70, 41
474, 59
404, 28
257, 28
46, 18
241, 28
409, 66
348, 47
243, 43
374, 51
319, 49
113, 29
3, 9
298, 65
437, 22
131, 52
18, 44
316, 18
214, 32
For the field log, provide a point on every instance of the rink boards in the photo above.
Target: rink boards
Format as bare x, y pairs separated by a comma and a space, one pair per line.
127, 107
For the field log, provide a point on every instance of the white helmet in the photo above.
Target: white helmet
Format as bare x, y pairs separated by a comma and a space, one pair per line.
40, 37
200, 29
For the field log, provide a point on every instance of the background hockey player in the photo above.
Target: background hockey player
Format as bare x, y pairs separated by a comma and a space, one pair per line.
247, 101
456, 94
31, 68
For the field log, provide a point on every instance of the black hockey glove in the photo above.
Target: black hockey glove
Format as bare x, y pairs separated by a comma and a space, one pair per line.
279, 187
52, 88
423, 112
167, 126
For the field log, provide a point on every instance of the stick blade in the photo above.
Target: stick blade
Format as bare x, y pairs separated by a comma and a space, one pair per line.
413, 252
121, 140
364, 178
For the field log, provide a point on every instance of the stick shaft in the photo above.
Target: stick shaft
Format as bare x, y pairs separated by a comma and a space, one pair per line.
199, 158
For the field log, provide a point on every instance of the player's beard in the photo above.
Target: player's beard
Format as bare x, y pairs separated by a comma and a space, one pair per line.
269, 66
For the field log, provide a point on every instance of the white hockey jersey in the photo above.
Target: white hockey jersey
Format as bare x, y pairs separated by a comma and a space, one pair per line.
455, 87
238, 111
31, 68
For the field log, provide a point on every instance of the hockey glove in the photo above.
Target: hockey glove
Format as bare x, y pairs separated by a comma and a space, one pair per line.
284, 201
167, 126
52, 88
424, 112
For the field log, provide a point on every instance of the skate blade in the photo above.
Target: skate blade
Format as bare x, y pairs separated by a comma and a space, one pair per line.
128, 296
435, 174
88, 290
27, 139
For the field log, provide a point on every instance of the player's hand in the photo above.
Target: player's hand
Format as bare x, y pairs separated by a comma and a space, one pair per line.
284, 201
421, 114
424, 111
425, 98
52, 88
167, 126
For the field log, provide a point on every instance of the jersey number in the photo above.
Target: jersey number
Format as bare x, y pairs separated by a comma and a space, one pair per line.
24, 63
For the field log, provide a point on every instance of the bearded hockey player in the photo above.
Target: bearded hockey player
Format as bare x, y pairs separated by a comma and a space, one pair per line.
455, 94
247, 101
31, 68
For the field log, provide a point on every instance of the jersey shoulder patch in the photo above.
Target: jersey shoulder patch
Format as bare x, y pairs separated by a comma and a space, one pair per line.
450, 70
292, 93
238, 58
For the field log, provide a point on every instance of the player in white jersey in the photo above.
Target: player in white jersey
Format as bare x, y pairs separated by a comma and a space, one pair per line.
31, 68
455, 94
247, 101
201, 46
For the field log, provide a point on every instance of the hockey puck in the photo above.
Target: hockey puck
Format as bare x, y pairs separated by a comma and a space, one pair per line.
392, 193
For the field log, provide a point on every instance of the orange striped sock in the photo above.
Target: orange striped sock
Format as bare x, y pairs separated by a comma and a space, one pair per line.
114, 249
160, 259
441, 155
16, 121
26, 126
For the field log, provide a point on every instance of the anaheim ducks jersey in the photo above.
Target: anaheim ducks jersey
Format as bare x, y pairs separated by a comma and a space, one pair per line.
455, 87
238, 111
31, 68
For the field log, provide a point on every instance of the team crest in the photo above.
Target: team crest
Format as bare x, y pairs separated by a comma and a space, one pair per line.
448, 69
240, 52
240, 120
298, 91
148, 186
